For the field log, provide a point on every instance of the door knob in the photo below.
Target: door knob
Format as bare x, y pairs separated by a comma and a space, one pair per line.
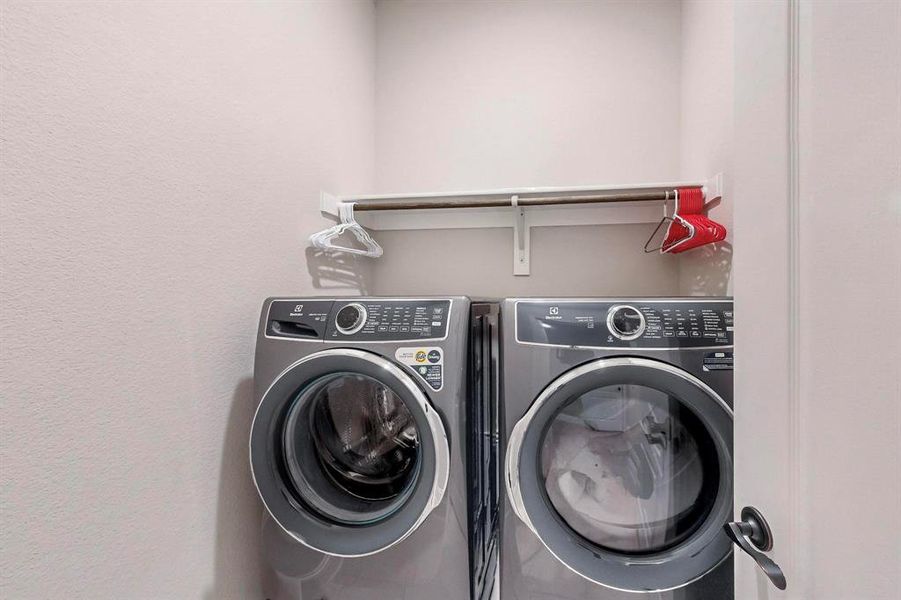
753, 535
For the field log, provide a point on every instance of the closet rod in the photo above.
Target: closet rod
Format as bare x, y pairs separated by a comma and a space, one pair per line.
483, 202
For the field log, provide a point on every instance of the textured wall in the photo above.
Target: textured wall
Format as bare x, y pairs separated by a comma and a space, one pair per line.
510, 94
160, 169
850, 380
708, 72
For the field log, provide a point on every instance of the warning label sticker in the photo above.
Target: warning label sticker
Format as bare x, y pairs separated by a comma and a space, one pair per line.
719, 361
427, 361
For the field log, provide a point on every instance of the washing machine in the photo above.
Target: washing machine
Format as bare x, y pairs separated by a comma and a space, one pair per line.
358, 448
618, 448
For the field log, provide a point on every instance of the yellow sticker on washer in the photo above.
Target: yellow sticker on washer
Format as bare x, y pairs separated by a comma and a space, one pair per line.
425, 361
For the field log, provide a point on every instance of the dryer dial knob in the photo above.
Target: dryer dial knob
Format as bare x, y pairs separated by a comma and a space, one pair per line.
351, 318
625, 322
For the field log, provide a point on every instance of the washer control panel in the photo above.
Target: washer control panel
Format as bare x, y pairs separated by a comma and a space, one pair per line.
389, 320
646, 323
361, 320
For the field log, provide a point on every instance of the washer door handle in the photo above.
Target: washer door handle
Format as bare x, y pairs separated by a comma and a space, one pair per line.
753, 535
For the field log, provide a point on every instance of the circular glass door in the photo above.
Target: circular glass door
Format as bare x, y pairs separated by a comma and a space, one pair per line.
627, 461
351, 447
347, 453
629, 469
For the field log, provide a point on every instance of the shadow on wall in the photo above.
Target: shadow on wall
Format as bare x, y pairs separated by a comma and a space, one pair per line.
706, 271
292, 569
338, 271
237, 545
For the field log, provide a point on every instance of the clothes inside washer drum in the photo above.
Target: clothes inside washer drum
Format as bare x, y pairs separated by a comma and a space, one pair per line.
632, 490
365, 436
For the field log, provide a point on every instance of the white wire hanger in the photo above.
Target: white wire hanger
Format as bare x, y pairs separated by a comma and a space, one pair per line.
676, 218
325, 239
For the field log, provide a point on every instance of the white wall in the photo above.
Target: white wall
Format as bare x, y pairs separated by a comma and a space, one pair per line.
160, 169
850, 379
508, 94
706, 133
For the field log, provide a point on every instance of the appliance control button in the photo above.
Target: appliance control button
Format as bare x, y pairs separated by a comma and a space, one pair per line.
351, 318
625, 322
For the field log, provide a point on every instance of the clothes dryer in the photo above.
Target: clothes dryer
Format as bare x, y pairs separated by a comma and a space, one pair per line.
618, 450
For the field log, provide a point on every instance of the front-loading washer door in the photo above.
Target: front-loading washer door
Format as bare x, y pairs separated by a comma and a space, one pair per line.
347, 453
623, 469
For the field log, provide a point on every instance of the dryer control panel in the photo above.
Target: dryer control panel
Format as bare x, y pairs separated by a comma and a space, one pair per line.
636, 323
359, 320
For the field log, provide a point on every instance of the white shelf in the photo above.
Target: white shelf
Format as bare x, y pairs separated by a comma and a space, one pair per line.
521, 219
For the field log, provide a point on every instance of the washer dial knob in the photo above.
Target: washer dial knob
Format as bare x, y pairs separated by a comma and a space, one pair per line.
351, 318
625, 322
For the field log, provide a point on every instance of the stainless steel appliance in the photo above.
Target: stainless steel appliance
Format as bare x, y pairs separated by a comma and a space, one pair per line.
359, 448
618, 448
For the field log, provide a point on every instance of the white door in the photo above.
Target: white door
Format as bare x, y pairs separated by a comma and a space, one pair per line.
818, 294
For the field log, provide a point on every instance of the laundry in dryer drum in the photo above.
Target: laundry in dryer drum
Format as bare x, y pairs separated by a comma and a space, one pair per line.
638, 465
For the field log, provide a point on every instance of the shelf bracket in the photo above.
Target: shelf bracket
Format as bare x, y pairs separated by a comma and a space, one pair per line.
328, 203
713, 191
521, 238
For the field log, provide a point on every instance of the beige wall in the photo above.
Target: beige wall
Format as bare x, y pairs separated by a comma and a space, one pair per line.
501, 94
161, 164
706, 133
574, 261
850, 300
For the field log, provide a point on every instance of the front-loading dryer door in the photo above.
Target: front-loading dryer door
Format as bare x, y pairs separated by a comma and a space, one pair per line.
347, 453
623, 469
